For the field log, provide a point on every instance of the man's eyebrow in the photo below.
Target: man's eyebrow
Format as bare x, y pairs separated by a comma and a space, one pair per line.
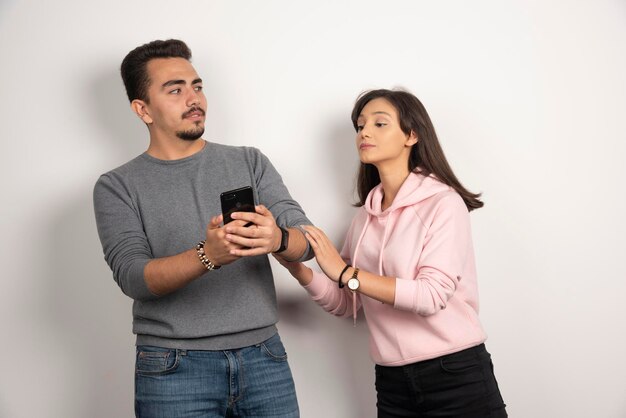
178, 82
172, 83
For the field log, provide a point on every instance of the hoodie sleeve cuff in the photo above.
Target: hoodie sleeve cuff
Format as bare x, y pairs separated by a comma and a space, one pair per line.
318, 286
405, 290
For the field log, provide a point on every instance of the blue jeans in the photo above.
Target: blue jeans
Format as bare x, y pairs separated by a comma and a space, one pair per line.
459, 385
252, 381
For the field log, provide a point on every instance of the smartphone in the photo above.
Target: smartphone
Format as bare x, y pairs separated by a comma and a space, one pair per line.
238, 200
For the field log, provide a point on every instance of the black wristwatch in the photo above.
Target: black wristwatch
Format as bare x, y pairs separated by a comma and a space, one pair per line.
284, 239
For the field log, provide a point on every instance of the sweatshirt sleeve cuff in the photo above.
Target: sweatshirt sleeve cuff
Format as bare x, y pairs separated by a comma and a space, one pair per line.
138, 288
308, 252
405, 289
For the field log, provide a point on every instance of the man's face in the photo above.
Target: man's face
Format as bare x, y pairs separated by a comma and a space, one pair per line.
176, 105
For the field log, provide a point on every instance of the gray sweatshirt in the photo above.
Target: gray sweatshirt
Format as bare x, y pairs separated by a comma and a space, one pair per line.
150, 208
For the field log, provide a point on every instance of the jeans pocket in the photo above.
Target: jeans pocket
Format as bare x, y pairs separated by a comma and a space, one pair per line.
274, 349
460, 363
152, 361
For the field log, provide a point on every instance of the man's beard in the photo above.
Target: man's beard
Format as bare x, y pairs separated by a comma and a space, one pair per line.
191, 134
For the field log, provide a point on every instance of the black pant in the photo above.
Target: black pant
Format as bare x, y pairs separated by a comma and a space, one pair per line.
455, 385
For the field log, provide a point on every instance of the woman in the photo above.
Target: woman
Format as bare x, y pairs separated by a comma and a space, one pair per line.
409, 246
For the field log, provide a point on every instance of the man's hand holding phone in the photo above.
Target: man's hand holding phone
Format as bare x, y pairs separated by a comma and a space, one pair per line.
262, 237
250, 229
217, 248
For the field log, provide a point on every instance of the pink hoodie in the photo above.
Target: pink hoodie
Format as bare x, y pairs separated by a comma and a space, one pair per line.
424, 240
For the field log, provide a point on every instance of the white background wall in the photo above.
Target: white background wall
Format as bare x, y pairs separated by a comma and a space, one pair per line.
529, 100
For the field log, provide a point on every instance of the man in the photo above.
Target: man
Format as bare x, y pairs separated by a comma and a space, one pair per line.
204, 306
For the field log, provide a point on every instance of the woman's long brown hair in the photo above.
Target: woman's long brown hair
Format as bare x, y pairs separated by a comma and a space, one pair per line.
426, 155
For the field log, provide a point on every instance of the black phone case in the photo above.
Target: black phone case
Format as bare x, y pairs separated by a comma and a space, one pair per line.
237, 200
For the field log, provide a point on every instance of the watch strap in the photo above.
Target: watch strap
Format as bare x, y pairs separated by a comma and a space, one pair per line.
341, 285
284, 239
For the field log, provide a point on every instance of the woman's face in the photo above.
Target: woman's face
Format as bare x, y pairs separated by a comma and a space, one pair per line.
379, 139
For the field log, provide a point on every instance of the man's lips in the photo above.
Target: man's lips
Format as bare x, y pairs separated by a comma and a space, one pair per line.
193, 114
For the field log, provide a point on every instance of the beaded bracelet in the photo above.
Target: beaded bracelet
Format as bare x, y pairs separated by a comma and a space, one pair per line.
208, 264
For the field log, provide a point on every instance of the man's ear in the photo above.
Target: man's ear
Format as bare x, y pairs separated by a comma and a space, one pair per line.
141, 109
411, 139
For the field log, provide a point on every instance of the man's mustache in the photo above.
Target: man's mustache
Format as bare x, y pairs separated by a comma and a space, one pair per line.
193, 109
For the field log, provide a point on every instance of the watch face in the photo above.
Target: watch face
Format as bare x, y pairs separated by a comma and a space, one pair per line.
353, 284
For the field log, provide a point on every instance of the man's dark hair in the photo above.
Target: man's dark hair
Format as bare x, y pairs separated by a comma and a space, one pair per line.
133, 69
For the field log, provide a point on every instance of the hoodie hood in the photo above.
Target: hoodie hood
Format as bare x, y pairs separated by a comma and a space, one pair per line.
415, 188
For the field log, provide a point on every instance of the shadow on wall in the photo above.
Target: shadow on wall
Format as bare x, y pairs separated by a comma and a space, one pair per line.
344, 165
332, 367
86, 309
126, 135
329, 359
89, 315
4, 8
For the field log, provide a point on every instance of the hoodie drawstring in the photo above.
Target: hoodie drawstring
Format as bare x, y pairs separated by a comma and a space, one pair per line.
356, 272
354, 258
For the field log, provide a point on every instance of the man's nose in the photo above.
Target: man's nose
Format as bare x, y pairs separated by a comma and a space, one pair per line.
193, 99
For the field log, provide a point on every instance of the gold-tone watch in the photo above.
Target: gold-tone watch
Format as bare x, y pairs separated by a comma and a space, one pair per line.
353, 282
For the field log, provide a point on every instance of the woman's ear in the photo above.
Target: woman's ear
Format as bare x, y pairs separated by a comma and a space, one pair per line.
141, 109
411, 139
